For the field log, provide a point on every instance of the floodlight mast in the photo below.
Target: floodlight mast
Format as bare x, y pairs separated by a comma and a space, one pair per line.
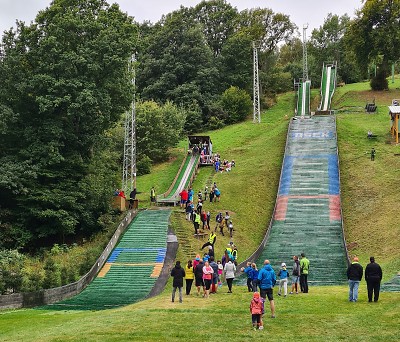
305, 62
129, 166
256, 86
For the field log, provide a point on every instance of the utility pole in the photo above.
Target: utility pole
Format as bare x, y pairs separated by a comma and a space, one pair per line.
256, 86
129, 167
305, 62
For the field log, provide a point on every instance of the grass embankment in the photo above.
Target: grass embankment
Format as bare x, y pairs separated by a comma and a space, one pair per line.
248, 192
369, 206
322, 315
370, 189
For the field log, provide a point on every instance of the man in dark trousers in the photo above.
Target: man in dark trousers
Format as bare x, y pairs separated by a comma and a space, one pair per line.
178, 273
373, 277
354, 275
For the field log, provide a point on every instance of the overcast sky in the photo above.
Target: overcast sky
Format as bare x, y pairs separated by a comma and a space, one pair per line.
312, 12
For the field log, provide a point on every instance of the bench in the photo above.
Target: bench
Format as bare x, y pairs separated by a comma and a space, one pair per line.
200, 235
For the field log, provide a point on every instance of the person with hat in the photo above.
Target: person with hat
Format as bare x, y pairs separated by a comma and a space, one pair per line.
354, 275
283, 275
178, 273
373, 277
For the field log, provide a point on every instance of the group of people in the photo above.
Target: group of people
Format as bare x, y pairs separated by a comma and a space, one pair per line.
206, 273
199, 216
225, 165
373, 277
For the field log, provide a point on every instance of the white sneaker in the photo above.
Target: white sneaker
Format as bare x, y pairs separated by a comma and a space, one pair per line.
260, 327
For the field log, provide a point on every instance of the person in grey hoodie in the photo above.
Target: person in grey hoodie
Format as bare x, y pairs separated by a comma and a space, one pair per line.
229, 271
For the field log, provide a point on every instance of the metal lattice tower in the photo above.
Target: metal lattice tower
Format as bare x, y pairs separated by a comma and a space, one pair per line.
129, 167
256, 86
305, 62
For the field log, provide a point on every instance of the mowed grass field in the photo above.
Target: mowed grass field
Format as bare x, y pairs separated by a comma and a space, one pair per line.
370, 209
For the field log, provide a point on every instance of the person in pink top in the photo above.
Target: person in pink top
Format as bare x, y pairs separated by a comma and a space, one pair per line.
257, 310
207, 278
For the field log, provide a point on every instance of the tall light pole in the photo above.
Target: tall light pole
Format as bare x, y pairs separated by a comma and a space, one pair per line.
305, 62
256, 86
129, 167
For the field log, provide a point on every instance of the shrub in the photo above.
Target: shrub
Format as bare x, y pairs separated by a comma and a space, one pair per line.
11, 265
236, 103
379, 82
52, 273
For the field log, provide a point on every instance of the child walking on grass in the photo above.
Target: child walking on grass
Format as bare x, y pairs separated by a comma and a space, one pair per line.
257, 310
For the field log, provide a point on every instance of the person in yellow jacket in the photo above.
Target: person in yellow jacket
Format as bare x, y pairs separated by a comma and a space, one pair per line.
304, 269
196, 222
189, 276
211, 240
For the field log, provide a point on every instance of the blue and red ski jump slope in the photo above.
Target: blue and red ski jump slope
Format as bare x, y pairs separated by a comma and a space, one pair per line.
308, 211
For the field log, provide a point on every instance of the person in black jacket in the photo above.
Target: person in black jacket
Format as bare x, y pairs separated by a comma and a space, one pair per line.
354, 275
373, 277
178, 273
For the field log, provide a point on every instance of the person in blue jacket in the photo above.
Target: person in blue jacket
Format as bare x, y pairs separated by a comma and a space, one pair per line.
283, 275
254, 276
248, 270
266, 281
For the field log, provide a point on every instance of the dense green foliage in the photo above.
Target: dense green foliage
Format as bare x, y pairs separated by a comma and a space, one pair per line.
64, 84
194, 54
374, 37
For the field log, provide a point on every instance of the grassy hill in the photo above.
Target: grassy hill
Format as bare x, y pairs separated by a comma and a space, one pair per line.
369, 196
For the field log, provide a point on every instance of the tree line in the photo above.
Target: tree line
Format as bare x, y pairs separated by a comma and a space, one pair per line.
65, 85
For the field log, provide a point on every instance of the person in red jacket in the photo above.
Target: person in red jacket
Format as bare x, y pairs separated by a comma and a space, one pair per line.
184, 197
257, 310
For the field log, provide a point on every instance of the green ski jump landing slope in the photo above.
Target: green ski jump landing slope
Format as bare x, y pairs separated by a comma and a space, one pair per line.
308, 212
132, 268
182, 180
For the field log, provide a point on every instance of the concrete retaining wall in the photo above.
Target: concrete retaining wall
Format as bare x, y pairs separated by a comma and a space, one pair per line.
49, 296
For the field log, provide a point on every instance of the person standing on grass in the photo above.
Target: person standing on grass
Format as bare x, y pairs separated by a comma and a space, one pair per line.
304, 268
207, 278
283, 275
178, 273
217, 195
229, 271
295, 274
218, 221
254, 276
257, 310
266, 281
249, 272
198, 276
230, 228
354, 275
189, 276
214, 283
373, 152
208, 218
212, 194
373, 277
152, 195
